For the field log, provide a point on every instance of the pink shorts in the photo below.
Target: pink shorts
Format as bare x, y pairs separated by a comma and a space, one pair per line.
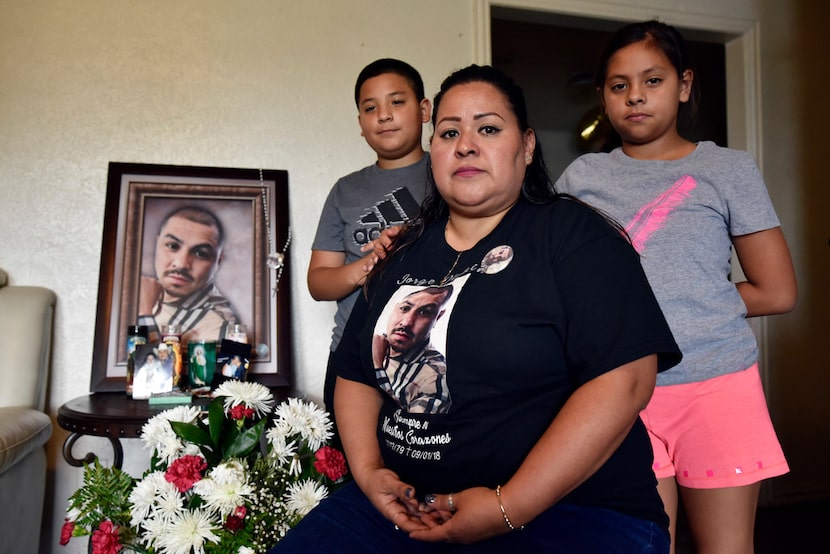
715, 433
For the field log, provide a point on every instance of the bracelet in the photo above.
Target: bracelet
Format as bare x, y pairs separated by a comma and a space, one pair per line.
504, 513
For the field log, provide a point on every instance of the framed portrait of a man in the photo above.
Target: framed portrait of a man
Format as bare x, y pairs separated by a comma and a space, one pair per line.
199, 251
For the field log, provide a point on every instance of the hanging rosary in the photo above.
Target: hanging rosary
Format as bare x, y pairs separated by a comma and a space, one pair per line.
275, 260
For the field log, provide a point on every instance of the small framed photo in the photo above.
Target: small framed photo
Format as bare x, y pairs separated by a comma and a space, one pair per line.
232, 361
153, 371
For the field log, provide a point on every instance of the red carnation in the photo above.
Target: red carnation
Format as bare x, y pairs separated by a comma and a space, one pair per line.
185, 471
330, 462
240, 411
66, 532
105, 539
233, 523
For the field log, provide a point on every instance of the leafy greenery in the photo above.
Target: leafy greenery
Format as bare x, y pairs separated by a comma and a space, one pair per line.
104, 495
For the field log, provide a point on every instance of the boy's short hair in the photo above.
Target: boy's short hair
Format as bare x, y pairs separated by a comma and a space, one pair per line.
390, 65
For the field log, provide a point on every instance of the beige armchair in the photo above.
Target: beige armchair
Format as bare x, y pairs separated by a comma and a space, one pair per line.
26, 318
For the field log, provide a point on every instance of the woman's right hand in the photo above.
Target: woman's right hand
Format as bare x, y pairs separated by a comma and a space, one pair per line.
393, 498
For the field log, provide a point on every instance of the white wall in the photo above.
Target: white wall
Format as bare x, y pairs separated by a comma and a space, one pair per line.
259, 83
254, 83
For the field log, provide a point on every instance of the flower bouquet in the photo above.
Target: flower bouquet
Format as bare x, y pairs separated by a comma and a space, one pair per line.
221, 483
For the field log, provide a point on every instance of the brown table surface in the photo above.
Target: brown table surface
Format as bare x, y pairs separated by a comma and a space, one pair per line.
113, 415
110, 414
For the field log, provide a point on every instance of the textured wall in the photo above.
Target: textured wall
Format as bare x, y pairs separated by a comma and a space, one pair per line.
268, 83
259, 83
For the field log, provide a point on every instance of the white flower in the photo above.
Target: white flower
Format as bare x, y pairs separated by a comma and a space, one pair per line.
186, 532
158, 435
222, 498
225, 489
231, 471
154, 527
169, 501
307, 419
245, 550
145, 495
296, 467
281, 449
252, 395
304, 496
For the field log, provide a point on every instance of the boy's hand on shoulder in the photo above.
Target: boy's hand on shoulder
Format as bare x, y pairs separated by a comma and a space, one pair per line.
381, 245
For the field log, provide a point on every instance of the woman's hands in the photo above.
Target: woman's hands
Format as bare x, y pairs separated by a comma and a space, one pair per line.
475, 516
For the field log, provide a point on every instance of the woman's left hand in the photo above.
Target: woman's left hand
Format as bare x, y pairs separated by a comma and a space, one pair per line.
475, 516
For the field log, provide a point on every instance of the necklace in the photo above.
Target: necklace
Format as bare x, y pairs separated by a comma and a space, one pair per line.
274, 260
455, 263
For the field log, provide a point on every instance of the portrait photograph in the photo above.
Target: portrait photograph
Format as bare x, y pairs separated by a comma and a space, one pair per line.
187, 247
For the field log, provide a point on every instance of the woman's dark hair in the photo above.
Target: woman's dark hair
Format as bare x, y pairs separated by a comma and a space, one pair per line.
537, 186
669, 41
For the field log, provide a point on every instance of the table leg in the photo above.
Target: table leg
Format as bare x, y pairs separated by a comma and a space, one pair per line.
69, 443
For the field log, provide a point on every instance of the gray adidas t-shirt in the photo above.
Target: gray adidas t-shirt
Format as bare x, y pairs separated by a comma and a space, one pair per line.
359, 207
680, 215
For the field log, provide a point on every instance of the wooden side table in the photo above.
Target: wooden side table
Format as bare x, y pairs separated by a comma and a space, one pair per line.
115, 416
112, 415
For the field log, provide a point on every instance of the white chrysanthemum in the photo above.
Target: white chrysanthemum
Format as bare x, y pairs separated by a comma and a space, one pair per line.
222, 498
153, 527
225, 488
282, 449
157, 434
229, 472
169, 501
307, 419
304, 496
144, 495
245, 550
254, 396
186, 533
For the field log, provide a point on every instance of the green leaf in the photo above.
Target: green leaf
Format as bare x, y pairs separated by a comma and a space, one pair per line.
192, 433
104, 495
246, 441
216, 418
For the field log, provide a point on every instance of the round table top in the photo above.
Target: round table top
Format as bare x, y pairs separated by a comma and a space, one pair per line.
109, 414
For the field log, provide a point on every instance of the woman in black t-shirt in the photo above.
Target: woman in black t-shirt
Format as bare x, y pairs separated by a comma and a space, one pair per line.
551, 341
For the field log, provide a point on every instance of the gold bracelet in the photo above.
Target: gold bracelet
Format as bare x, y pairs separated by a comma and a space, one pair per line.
504, 513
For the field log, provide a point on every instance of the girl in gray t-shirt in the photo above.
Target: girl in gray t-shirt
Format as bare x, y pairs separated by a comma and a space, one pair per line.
686, 206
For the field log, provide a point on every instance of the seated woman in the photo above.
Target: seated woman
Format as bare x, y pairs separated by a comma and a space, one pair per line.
551, 341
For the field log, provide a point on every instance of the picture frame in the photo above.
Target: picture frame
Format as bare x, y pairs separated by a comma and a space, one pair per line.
251, 207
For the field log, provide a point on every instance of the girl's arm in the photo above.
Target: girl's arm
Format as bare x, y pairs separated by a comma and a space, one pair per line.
357, 408
770, 286
589, 428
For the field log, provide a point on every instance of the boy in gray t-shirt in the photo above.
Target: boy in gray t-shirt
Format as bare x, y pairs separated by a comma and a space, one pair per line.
392, 110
